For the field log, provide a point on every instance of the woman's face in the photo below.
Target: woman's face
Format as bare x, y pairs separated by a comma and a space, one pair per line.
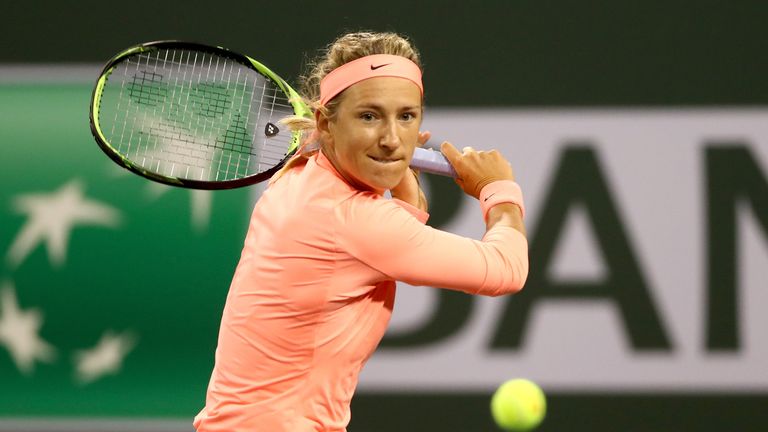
371, 139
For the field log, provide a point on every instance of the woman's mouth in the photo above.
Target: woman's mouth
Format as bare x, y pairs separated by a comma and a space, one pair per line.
385, 160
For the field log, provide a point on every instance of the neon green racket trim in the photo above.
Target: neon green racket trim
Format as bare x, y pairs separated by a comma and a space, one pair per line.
189, 114
294, 99
99, 90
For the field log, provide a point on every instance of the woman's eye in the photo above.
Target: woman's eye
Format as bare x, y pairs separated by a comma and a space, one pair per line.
367, 116
408, 116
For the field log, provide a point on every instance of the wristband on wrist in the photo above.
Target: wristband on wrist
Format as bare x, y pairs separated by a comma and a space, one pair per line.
501, 191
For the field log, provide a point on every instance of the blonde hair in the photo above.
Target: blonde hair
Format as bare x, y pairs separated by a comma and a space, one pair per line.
346, 48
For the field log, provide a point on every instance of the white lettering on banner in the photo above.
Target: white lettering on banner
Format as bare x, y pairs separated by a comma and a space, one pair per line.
659, 169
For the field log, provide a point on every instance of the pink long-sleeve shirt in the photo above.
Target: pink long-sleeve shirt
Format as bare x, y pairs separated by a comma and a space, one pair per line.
313, 294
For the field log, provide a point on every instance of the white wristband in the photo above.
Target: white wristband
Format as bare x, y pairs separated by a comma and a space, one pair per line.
501, 191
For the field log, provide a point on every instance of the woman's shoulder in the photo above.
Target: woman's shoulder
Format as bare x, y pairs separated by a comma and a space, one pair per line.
372, 208
311, 188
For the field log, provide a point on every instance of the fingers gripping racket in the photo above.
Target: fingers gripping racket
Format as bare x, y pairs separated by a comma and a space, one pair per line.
201, 117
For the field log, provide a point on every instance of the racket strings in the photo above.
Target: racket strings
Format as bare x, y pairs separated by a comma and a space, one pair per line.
145, 89
193, 115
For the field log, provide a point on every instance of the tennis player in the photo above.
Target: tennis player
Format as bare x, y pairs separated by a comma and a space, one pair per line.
314, 289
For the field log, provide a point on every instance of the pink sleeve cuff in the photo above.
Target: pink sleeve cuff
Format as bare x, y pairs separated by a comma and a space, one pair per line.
419, 214
502, 191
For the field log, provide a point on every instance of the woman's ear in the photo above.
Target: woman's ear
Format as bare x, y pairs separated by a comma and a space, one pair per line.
323, 127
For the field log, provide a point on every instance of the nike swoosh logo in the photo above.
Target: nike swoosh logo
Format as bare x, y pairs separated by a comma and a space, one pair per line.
486, 198
379, 66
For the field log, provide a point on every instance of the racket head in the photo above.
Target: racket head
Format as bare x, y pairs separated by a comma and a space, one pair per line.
193, 115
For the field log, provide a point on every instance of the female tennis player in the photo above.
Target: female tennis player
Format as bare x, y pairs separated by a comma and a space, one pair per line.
314, 289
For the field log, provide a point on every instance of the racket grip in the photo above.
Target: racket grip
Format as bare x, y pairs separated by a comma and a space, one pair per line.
431, 161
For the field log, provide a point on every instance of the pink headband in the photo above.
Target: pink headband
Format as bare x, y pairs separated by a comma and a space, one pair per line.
377, 65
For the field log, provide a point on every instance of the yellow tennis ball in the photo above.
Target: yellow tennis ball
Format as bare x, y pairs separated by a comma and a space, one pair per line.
518, 405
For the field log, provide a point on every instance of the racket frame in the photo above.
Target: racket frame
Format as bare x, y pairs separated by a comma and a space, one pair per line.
299, 107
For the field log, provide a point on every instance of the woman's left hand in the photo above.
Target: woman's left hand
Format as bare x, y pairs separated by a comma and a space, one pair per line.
409, 189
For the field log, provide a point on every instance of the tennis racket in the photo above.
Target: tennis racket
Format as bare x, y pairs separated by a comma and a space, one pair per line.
201, 117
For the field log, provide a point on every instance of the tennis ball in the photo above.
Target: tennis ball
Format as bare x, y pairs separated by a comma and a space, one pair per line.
518, 405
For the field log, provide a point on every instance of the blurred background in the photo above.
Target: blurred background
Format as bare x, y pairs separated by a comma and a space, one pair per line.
638, 131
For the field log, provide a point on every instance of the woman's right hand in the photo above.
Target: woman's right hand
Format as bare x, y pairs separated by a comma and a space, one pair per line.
476, 169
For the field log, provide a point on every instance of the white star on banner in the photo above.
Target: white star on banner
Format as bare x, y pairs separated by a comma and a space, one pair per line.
201, 209
200, 204
51, 219
200, 200
19, 332
104, 358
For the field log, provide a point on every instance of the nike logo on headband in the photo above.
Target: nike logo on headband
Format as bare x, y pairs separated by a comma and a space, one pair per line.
380, 66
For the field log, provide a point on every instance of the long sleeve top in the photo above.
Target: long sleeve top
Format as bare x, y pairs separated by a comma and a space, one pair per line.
313, 293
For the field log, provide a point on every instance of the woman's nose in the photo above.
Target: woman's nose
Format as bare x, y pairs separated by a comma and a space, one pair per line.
389, 136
